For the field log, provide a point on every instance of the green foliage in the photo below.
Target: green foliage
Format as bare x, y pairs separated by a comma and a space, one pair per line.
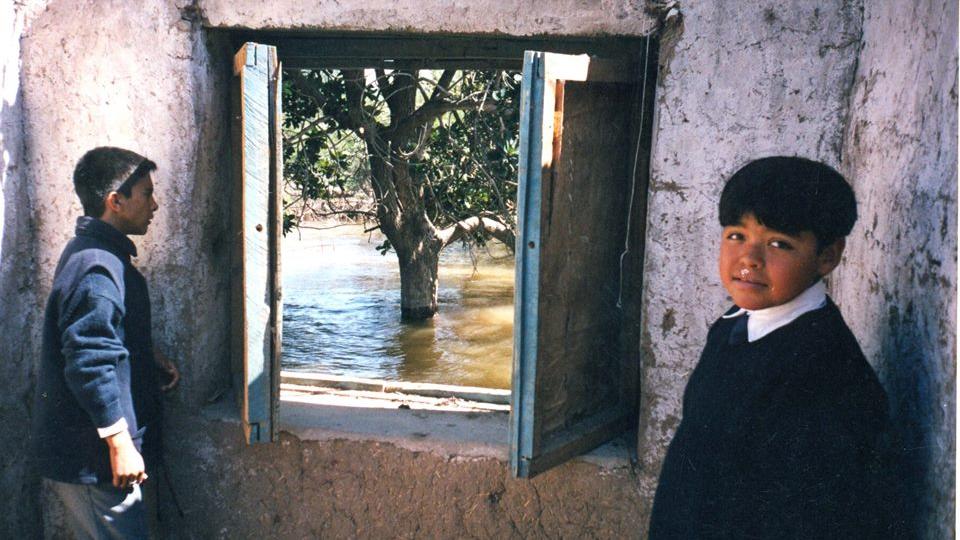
470, 164
464, 161
319, 158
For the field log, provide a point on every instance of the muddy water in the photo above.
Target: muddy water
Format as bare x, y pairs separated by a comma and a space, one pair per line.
341, 313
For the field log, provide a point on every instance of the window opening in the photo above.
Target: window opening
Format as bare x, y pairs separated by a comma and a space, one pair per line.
400, 219
579, 226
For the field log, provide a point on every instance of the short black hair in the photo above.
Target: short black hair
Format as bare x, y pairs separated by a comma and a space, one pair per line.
791, 195
105, 169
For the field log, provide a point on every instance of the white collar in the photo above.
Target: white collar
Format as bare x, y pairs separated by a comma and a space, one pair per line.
764, 321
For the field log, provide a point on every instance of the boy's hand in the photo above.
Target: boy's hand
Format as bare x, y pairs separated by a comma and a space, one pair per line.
126, 463
167, 366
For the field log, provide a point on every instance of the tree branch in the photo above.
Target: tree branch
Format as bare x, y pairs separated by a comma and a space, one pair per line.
346, 213
389, 208
401, 95
354, 84
443, 84
430, 111
383, 84
307, 88
488, 226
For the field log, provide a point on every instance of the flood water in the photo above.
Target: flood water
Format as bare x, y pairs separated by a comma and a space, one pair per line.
341, 313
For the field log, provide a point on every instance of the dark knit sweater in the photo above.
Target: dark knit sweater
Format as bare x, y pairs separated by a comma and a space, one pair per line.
97, 359
780, 438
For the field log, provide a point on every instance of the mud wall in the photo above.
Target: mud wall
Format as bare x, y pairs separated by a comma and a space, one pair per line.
18, 313
508, 17
871, 89
736, 82
349, 489
131, 75
154, 77
898, 285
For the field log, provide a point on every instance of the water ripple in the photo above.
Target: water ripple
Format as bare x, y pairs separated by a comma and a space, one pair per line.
342, 314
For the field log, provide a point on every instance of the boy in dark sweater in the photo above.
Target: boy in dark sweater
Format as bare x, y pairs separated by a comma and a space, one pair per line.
99, 375
784, 420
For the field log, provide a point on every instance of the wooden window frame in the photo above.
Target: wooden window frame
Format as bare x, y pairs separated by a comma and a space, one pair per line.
257, 337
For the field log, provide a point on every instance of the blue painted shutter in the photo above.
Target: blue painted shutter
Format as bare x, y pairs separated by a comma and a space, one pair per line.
258, 308
575, 351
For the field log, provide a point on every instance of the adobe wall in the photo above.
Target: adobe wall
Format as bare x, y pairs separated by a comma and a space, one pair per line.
18, 312
110, 73
736, 82
153, 78
898, 285
872, 90
350, 489
508, 17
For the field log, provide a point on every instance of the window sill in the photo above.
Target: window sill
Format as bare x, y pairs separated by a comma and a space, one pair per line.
448, 427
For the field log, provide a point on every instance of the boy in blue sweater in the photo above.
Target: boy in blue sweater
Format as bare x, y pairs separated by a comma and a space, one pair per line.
98, 383
784, 421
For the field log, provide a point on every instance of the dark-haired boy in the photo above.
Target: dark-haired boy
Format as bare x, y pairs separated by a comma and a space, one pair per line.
98, 382
783, 425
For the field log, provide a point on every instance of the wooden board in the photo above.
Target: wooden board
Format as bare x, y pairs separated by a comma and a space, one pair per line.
257, 297
276, 234
574, 377
583, 67
352, 50
527, 262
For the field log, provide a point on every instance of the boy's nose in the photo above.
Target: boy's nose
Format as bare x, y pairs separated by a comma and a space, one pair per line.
752, 255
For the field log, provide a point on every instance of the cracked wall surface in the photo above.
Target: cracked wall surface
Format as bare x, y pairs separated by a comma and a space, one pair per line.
18, 317
349, 489
871, 89
868, 88
898, 284
508, 17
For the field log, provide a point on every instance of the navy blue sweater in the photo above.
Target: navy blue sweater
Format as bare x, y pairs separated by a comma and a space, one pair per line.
97, 358
780, 438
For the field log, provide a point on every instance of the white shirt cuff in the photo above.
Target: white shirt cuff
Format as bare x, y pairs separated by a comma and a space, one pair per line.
109, 431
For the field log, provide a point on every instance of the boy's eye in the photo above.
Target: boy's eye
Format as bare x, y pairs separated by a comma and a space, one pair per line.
781, 244
734, 236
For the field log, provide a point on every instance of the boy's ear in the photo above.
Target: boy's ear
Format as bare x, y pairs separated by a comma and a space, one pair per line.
829, 257
111, 205
112, 201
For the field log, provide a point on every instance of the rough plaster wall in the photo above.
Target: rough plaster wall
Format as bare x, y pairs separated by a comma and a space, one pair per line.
342, 489
898, 285
146, 76
513, 17
17, 284
137, 76
133, 75
744, 80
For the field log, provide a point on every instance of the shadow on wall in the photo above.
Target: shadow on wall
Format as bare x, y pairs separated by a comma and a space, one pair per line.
19, 310
910, 378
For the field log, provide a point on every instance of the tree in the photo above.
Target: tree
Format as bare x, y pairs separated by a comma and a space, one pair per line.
439, 150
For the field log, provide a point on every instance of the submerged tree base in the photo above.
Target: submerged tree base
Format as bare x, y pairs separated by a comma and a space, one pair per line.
417, 313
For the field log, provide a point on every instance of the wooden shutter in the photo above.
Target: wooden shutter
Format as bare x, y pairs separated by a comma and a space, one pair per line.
575, 340
257, 312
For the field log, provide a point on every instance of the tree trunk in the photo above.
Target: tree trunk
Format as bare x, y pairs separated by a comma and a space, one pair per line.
401, 206
419, 257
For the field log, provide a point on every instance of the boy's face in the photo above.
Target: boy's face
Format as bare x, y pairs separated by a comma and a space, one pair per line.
134, 213
762, 267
